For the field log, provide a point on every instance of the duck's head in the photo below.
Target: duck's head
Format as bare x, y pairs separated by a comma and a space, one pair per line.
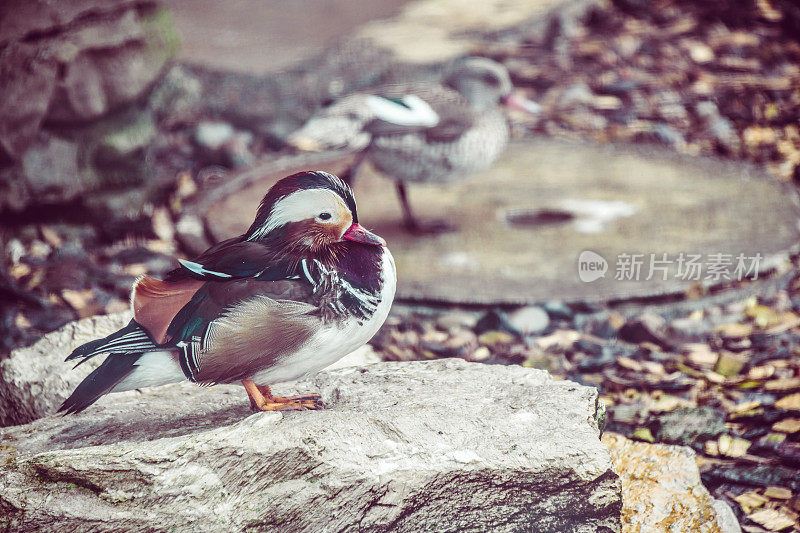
309, 213
485, 83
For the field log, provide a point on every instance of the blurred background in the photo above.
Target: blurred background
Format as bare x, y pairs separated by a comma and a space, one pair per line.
135, 132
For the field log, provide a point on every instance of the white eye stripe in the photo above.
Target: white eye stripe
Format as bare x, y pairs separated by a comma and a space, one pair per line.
302, 205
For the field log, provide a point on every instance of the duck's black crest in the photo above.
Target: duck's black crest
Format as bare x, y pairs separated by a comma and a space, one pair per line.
308, 179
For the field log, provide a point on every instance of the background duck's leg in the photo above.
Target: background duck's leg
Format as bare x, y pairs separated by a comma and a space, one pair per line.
349, 176
410, 222
271, 403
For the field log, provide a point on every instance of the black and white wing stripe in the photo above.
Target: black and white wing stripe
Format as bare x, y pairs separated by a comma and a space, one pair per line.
130, 339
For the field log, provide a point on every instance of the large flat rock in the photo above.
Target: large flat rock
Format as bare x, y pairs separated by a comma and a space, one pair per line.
443, 445
622, 200
266, 36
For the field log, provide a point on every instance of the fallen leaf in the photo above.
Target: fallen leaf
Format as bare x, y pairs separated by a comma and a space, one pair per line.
771, 519
561, 338
495, 338
19, 270
729, 364
783, 384
790, 403
21, 321
750, 500
50, 236
761, 372
643, 434
732, 446
702, 356
734, 330
667, 403
745, 406
762, 315
630, 364
80, 301
787, 425
654, 367
711, 448
777, 493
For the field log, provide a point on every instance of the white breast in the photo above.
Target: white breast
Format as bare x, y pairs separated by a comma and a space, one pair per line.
336, 340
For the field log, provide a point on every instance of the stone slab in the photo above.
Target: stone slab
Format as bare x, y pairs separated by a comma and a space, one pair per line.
443, 445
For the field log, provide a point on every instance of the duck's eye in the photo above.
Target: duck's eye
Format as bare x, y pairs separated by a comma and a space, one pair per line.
324, 216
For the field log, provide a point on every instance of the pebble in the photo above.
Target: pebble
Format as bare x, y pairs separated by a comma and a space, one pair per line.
456, 319
689, 425
591, 363
481, 353
529, 320
576, 94
212, 135
558, 310
701, 53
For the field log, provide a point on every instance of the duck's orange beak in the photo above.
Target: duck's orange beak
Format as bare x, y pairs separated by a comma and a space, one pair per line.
357, 233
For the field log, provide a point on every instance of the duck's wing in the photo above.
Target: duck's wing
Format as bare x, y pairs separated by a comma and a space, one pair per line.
439, 113
231, 259
156, 303
230, 329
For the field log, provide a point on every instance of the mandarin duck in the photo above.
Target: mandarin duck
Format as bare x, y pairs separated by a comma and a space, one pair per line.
422, 132
303, 287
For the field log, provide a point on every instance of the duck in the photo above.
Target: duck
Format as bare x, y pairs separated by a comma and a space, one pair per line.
432, 132
304, 286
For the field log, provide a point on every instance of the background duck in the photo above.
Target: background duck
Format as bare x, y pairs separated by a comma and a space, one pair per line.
422, 132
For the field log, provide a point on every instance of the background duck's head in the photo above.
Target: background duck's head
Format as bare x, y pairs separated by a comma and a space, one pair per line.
485, 84
307, 214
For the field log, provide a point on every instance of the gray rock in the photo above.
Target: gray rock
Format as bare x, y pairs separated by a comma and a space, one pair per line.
688, 329
76, 61
177, 94
129, 138
51, 172
35, 380
690, 424
442, 445
726, 519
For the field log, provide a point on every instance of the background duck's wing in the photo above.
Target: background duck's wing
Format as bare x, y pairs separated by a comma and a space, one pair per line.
394, 112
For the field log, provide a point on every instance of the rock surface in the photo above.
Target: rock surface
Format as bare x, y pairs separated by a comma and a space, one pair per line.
445, 445
35, 380
71, 73
661, 489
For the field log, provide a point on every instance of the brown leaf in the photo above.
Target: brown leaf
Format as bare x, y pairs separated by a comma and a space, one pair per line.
777, 493
771, 519
787, 425
790, 403
750, 500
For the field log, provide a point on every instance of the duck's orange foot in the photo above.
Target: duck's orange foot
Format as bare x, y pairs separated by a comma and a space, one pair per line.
261, 399
290, 405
